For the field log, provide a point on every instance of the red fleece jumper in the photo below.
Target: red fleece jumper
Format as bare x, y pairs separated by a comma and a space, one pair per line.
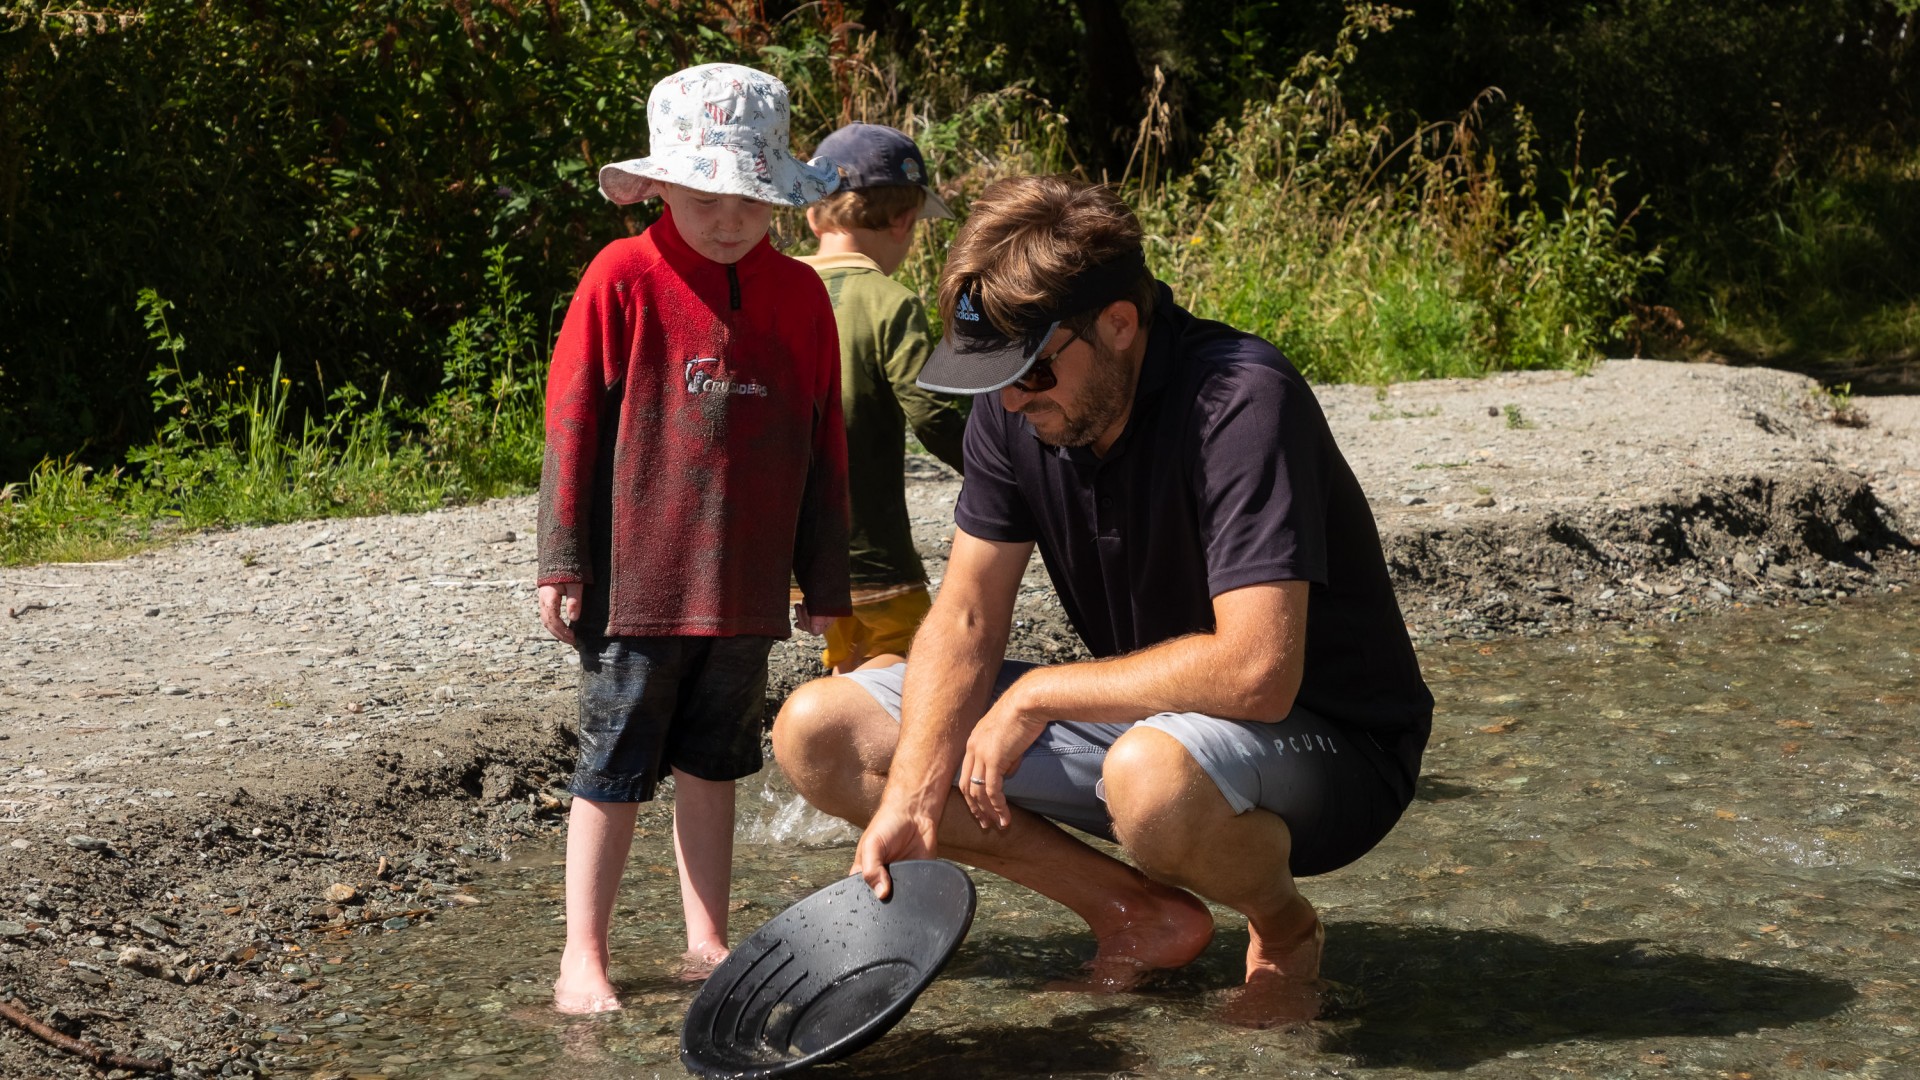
695, 455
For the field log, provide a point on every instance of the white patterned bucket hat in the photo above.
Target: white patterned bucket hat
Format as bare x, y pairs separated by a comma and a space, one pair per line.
720, 128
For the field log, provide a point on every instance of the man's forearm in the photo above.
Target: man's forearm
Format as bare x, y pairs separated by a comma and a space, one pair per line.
1249, 670
955, 660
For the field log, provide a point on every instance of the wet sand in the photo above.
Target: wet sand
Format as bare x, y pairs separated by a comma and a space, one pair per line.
263, 737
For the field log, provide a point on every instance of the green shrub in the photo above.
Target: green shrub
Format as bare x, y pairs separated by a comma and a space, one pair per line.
1824, 269
485, 431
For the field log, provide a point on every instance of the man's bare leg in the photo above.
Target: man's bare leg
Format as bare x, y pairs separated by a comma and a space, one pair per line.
835, 744
599, 836
1173, 821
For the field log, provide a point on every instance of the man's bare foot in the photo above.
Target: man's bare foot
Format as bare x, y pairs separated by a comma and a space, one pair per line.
1272, 1002
1283, 978
583, 986
1292, 955
698, 963
1167, 930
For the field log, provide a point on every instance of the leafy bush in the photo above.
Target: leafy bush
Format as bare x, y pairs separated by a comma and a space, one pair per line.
1823, 268
393, 199
485, 430
317, 179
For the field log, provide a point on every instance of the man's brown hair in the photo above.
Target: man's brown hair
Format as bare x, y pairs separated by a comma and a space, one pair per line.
1027, 237
869, 208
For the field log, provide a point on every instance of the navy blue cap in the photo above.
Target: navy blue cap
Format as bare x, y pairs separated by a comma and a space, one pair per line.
873, 155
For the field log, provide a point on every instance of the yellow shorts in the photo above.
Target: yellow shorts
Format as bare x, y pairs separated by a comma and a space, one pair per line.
883, 626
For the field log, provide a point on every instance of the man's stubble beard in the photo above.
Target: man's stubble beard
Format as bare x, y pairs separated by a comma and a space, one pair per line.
1107, 393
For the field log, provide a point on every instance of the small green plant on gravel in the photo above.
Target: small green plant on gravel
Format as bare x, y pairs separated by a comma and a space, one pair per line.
1516, 420
1835, 405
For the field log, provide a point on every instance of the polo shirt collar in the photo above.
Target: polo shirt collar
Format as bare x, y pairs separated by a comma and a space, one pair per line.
850, 260
1156, 367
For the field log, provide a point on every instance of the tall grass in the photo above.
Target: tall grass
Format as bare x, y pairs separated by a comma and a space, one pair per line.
1827, 270
1372, 257
230, 450
1367, 254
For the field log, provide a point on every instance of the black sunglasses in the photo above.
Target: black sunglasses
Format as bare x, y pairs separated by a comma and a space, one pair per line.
1040, 377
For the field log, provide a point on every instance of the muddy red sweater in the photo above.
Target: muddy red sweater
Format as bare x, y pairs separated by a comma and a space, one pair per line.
695, 455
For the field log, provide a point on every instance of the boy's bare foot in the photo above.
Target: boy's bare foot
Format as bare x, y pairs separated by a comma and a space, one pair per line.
583, 986
1167, 930
699, 963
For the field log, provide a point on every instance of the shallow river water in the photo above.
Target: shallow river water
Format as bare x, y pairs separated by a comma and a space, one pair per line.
1685, 852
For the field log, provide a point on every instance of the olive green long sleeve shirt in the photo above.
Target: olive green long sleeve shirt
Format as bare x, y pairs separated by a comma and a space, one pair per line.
884, 342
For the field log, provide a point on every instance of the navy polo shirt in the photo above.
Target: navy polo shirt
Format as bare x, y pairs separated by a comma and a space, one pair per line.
1226, 475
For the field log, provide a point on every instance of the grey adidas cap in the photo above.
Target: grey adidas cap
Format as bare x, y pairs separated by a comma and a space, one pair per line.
977, 356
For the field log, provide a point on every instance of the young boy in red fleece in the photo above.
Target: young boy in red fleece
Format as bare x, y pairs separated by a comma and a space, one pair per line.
695, 461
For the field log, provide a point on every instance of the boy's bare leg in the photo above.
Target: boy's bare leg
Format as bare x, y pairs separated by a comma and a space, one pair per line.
599, 837
703, 849
835, 744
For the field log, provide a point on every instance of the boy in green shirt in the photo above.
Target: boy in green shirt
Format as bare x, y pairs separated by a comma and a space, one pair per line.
865, 230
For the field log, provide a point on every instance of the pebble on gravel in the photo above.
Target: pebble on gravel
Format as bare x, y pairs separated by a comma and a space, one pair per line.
145, 961
277, 993
341, 893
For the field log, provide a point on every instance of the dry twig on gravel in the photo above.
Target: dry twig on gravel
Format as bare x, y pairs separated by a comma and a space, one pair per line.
93, 1055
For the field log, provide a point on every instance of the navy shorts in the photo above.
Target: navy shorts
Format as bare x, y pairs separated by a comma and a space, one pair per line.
1338, 789
649, 704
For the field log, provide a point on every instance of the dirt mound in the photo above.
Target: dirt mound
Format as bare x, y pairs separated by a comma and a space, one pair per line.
1741, 540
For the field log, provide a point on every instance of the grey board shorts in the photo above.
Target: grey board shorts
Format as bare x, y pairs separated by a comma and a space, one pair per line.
1338, 790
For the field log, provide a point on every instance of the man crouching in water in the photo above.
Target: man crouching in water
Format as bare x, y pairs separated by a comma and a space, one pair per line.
1254, 712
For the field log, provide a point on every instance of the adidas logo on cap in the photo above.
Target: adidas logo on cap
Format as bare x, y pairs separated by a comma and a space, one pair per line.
966, 312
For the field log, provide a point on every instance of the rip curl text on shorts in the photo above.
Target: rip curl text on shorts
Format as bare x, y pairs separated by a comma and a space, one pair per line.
1336, 788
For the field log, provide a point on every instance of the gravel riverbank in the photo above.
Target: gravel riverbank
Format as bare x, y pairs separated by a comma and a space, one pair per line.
225, 761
